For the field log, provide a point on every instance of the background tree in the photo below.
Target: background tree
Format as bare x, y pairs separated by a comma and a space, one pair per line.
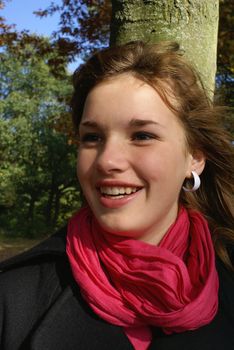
193, 24
37, 170
84, 26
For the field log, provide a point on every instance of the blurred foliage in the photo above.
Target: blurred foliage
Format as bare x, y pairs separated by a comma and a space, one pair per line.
38, 186
84, 25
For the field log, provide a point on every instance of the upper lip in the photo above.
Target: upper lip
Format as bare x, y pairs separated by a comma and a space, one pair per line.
116, 183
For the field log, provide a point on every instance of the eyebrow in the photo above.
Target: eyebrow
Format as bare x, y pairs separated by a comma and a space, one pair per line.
133, 123
89, 123
142, 122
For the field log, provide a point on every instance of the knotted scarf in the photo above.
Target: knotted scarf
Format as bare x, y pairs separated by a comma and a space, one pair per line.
135, 285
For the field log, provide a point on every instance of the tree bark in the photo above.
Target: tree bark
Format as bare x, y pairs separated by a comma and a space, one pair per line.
192, 23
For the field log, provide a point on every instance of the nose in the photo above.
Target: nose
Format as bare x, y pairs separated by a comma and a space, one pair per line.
112, 157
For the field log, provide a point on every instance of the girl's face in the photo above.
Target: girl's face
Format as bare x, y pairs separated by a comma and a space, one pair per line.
132, 159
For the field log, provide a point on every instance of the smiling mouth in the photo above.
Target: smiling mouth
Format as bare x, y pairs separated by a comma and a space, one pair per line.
117, 192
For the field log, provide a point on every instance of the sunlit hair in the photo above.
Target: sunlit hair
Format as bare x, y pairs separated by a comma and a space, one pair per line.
164, 68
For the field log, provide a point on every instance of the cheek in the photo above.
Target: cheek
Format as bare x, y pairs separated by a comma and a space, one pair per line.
85, 163
165, 165
154, 164
81, 166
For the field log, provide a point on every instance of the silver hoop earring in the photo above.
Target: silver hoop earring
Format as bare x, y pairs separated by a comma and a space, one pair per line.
196, 184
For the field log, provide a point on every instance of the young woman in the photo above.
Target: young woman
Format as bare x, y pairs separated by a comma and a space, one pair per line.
148, 261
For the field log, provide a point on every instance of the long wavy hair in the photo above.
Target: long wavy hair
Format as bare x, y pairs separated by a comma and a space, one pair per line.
163, 67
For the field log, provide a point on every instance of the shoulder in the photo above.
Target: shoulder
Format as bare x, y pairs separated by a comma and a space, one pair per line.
34, 266
29, 283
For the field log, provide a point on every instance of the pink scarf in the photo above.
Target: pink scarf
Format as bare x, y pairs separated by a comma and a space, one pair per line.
133, 284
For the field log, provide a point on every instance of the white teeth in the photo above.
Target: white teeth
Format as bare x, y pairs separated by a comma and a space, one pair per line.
116, 191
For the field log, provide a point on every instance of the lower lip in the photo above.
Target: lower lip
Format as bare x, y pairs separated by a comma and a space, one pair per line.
109, 202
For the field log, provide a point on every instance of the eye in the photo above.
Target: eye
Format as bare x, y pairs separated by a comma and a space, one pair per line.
143, 136
91, 138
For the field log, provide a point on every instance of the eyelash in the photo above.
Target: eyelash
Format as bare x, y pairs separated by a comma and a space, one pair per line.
143, 136
90, 138
139, 136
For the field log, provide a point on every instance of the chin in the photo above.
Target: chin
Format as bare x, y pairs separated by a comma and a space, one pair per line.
116, 226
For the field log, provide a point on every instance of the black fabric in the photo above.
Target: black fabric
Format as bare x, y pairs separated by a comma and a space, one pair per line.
41, 309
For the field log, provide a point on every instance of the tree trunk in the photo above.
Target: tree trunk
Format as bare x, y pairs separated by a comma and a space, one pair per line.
192, 23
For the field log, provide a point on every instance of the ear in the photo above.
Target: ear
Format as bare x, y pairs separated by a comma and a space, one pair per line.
197, 163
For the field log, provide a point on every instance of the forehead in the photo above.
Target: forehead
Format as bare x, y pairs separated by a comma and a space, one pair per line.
139, 83
121, 89
123, 79
127, 101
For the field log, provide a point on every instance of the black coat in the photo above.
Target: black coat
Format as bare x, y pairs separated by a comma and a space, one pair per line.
41, 309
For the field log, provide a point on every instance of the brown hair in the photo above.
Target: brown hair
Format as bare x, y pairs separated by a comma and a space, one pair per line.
163, 67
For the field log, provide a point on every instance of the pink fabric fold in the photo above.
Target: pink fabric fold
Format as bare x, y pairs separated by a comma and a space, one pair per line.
135, 285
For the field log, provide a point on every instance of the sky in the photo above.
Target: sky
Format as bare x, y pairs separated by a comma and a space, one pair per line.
20, 13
